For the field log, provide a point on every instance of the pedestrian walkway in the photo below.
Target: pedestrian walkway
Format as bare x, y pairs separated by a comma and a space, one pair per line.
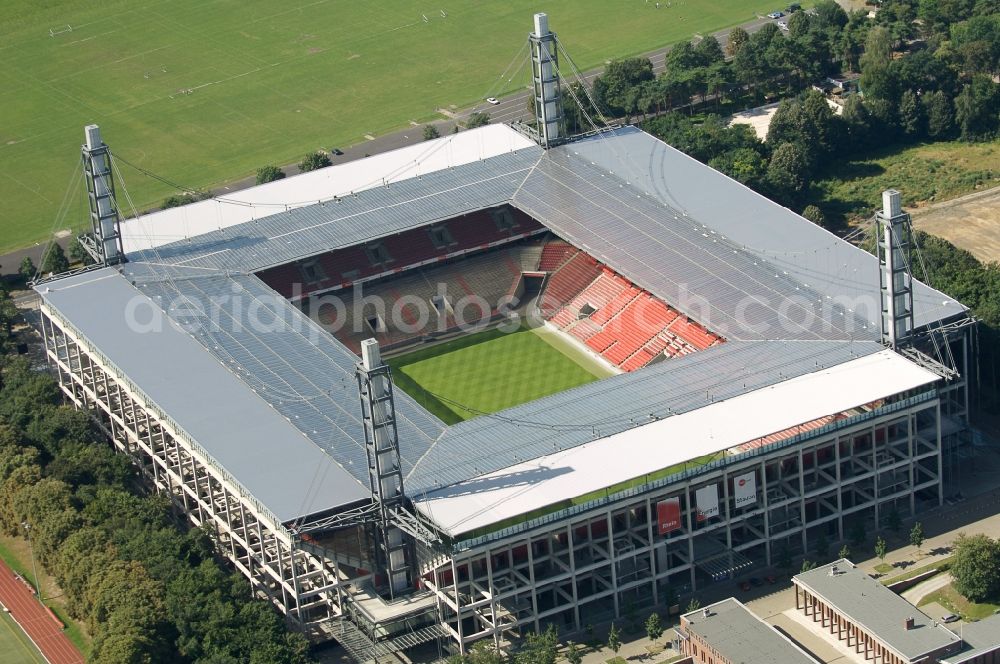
35, 619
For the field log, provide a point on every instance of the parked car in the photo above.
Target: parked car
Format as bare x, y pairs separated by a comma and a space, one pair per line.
744, 586
950, 618
794, 7
776, 14
755, 582
337, 151
493, 100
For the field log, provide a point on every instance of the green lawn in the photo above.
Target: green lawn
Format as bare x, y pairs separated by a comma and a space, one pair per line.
15, 646
206, 92
950, 599
486, 372
932, 171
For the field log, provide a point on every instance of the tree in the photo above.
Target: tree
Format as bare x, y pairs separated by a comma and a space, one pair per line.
829, 14
693, 605
788, 173
917, 535
911, 114
880, 548
814, 214
77, 253
614, 639
654, 626
709, 51
27, 270
977, 108
975, 567
620, 76
55, 260
477, 120
313, 161
938, 109
798, 25
431, 132
573, 654
845, 552
737, 38
806, 566
540, 648
269, 173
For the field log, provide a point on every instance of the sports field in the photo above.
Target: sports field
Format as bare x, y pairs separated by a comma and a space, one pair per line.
206, 91
486, 372
15, 646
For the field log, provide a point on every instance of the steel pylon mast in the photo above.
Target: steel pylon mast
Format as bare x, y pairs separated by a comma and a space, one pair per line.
895, 239
545, 81
105, 242
393, 549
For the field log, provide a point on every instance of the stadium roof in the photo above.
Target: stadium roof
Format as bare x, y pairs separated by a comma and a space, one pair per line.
569, 473
740, 636
726, 211
343, 179
878, 610
616, 404
276, 355
208, 400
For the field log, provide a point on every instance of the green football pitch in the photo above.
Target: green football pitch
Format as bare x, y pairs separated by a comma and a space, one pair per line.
206, 91
490, 371
15, 646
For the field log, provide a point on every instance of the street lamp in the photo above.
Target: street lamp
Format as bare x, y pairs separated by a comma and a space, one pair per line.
31, 549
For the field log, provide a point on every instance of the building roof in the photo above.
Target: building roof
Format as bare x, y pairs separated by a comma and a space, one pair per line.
209, 401
532, 483
740, 636
613, 405
690, 252
305, 189
980, 637
726, 211
875, 608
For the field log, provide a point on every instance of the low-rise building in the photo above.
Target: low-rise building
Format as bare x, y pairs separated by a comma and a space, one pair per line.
728, 633
875, 621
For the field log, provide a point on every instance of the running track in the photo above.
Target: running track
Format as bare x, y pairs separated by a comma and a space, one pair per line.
35, 620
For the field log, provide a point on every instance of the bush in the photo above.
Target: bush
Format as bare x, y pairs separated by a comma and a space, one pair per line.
178, 200
477, 120
313, 161
269, 173
430, 132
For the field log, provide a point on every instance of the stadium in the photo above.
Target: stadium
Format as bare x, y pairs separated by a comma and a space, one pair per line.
508, 378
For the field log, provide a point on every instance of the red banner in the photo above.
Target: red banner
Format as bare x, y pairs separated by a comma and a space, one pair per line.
668, 515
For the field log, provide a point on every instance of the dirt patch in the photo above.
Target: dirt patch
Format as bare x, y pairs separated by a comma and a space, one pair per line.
971, 222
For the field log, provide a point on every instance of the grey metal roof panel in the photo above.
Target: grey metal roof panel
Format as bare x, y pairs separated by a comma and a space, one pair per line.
212, 403
491, 442
367, 215
703, 273
809, 253
290, 362
740, 636
880, 611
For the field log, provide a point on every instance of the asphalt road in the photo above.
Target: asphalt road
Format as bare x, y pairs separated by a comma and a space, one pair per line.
512, 107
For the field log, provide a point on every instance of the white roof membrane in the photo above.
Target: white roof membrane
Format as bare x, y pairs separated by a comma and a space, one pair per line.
574, 472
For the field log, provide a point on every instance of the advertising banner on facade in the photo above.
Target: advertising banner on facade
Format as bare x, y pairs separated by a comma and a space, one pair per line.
668, 515
707, 498
745, 489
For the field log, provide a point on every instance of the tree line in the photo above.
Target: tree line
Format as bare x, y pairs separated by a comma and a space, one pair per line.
147, 588
927, 72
